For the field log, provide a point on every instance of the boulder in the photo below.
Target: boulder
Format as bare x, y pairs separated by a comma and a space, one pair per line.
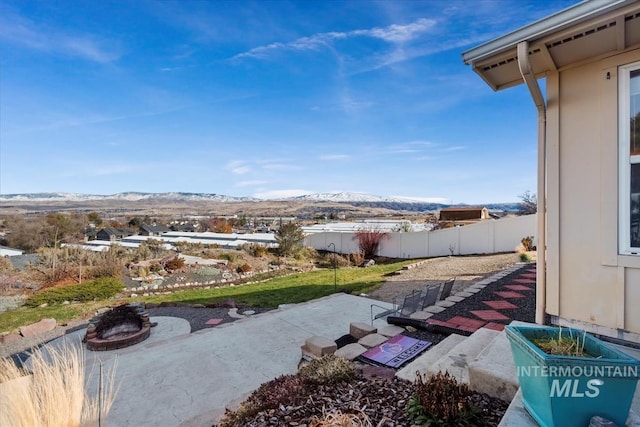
45, 325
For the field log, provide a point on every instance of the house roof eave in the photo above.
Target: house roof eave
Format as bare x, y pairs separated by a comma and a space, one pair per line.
572, 15
588, 29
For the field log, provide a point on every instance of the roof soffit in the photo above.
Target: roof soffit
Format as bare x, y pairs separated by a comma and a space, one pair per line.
612, 32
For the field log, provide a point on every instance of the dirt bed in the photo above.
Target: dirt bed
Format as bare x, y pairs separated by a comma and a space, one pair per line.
466, 270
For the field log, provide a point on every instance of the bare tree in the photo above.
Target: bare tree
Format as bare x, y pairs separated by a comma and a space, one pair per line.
369, 241
528, 203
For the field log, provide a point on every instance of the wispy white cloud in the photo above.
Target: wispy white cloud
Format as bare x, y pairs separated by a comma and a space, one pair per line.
397, 33
238, 167
281, 194
394, 34
20, 31
411, 147
350, 105
335, 157
69, 121
453, 148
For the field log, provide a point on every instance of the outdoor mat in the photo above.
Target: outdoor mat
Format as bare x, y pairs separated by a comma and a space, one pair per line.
395, 352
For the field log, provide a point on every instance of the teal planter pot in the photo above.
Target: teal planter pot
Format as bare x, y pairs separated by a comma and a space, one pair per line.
565, 391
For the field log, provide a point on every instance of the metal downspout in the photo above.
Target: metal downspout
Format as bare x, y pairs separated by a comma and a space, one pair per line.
529, 78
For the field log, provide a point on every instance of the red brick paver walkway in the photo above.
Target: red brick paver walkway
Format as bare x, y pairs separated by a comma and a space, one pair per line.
502, 305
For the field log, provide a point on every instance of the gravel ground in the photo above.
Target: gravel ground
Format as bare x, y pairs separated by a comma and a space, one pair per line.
374, 392
198, 317
467, 270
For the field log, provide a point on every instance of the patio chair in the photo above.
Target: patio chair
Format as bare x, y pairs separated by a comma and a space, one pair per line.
410, 304
446, 289
430, 296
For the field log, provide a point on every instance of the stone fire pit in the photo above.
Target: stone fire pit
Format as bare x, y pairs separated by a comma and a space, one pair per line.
119, 327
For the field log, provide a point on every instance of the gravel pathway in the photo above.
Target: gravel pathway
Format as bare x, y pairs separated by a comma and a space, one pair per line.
467, 270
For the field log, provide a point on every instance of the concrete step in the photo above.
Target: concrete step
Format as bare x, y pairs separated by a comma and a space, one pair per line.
493, 371
457, 360
424, 361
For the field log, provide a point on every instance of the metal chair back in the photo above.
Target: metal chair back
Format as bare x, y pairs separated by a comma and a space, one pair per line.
446, 289
411, 303
430, 296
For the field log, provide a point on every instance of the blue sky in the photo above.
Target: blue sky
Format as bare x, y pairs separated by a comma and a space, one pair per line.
266, 98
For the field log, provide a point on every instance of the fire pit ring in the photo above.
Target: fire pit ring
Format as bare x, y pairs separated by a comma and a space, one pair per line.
120, 327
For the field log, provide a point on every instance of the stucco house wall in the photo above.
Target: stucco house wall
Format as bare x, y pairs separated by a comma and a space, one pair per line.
587, 280
586, 277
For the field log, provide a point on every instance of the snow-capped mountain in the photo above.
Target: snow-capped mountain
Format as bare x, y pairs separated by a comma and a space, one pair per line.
127, 196
344, 197
360, 198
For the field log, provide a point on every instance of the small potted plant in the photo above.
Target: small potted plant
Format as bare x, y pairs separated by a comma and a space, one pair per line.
567, 376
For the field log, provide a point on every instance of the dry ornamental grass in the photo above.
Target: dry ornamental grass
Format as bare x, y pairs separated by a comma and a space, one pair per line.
53, 392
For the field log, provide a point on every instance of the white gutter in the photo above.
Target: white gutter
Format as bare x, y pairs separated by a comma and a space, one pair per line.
580, 12
541, 262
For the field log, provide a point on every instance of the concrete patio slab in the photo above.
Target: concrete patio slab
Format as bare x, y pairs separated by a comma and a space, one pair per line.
188, 379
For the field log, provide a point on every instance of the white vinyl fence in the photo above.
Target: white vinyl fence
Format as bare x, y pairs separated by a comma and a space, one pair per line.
486, 237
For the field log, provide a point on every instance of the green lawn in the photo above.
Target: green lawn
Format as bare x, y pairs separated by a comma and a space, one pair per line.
282, 290
289, 289
13, 319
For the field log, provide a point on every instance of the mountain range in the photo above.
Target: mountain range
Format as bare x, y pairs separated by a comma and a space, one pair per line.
355, 199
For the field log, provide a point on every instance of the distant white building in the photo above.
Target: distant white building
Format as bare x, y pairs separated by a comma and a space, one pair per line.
5, 251
222, 240
381, 225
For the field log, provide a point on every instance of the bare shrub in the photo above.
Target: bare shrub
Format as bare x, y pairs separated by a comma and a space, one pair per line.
369, 241
5, 265
339, 419
441, 400
256, 250
244, 268
329, 369
329, 260
356, 259
527, 243
174, 264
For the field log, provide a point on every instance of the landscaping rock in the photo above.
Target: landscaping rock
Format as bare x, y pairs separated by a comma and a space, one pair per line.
318, 346
391, 331
421, 315
10, 337
229, 303
40, 327
372, 340
350, 351
359, 330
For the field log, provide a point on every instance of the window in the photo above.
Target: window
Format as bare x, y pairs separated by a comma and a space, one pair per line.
629, 131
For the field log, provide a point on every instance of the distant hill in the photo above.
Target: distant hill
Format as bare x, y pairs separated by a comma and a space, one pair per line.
128, 196
180, 201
